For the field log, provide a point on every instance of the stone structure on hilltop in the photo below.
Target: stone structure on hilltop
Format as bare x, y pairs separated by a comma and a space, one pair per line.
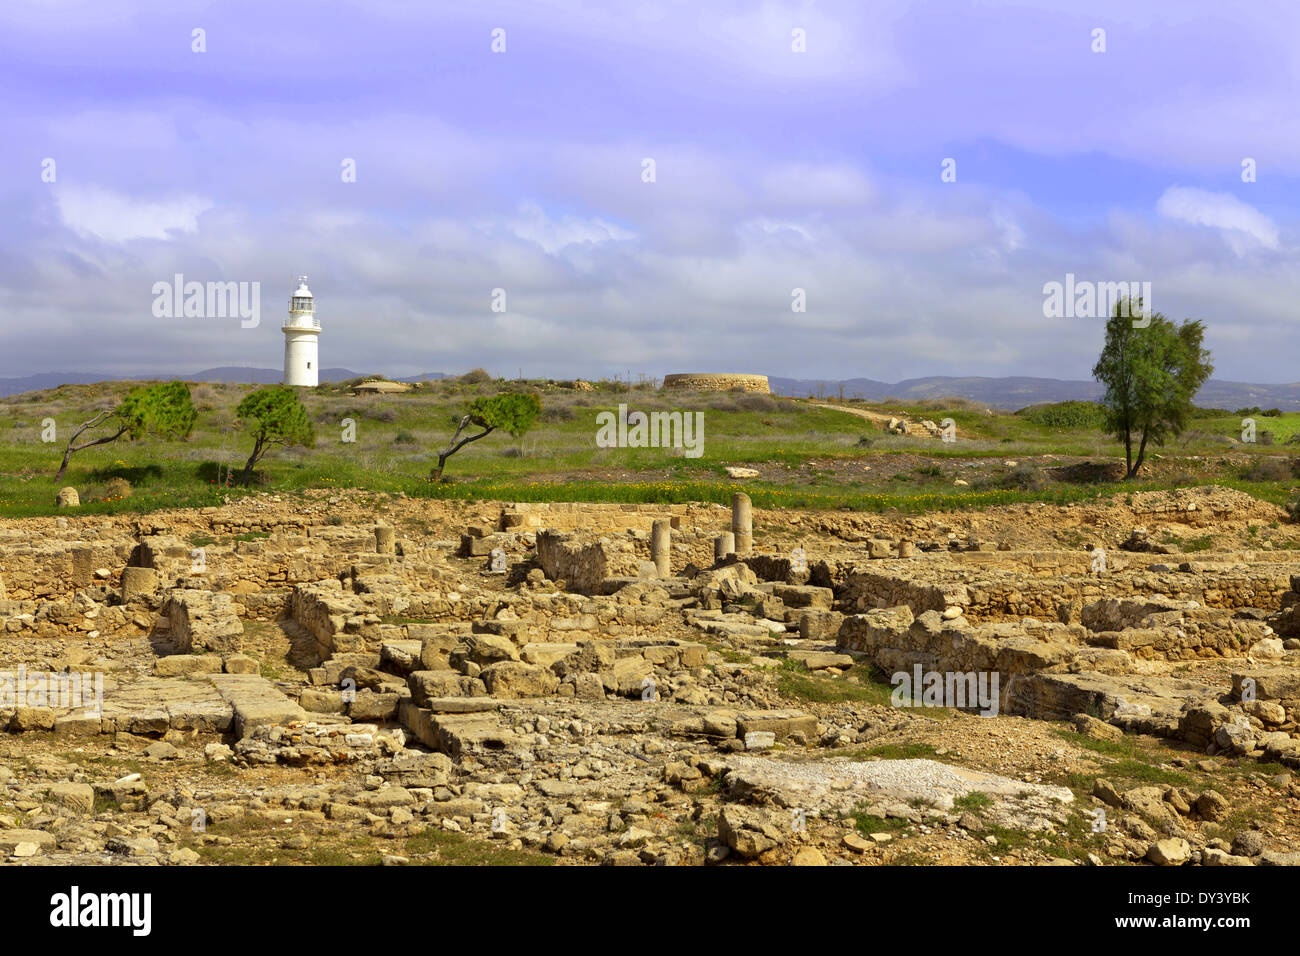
705, 382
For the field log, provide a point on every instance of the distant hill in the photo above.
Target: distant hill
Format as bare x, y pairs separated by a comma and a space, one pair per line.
1016, 392
1012, 392
226, 373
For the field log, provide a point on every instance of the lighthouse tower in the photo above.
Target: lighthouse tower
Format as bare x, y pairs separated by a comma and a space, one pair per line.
300, 334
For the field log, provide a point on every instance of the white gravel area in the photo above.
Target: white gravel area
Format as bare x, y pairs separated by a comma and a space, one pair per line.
830, 781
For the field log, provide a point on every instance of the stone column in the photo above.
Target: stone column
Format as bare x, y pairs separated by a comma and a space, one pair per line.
742, 522
384, 534
83, 567
661, 536
724, 546
138, 582
904, 549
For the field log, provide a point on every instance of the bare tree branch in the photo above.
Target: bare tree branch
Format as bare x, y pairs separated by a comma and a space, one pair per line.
456, 446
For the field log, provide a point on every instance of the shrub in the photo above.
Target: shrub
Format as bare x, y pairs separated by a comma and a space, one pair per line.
333, 414
946, 403
117, 488
755, 402
1023, 477
557, 413
204, 393
1267, 469
404, 438
1197, 436
1026, 477
476, 376
1066, 415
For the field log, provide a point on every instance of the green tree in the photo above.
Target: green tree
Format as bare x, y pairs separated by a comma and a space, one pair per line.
164, 410
512, 412
275, 416
1151, 373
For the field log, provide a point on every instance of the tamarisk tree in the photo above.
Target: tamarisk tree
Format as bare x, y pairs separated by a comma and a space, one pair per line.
512, 412
1151, 373
164, 410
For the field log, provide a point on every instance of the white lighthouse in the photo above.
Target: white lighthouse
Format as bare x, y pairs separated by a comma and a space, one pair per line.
300, 332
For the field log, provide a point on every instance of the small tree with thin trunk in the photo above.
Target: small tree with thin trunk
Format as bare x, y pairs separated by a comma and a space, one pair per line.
1151, 374
275, 416
512, 412
164, 410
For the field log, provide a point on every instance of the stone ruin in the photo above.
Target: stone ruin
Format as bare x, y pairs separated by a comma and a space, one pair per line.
709, 382
624, 650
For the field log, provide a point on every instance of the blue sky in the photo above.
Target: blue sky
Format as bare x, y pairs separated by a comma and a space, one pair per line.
522, 170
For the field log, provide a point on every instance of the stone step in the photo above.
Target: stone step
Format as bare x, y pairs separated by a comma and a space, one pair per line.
152, 707
461, 705
458, 734
818, 659
400, 656
256, 702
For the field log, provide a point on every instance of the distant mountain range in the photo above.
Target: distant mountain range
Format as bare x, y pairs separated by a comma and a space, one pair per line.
1011, 392
1015, 392
227, 373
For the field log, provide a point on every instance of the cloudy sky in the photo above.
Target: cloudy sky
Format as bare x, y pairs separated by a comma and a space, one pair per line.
774, 169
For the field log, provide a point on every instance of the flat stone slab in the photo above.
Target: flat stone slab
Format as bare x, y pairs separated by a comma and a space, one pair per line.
458, 733
461, 705
547, 654
147, 707
733, 629
180, 665
152, 707
404, 655
9, 839
782, 723
1148, 703
819, 660
841, 784
256, 702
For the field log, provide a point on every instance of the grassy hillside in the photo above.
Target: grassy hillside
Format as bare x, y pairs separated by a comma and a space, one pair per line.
808, 455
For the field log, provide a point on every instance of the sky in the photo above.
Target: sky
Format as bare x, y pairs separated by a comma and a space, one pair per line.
579, 189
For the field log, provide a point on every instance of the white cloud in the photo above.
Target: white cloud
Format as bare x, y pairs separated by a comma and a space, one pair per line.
775, 227
554, 235
806, 184
92, 212
1219, 211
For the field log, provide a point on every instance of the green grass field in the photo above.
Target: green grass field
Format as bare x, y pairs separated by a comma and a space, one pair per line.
812, 457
